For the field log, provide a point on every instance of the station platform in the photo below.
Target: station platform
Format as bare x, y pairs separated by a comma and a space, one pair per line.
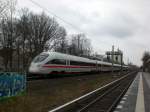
137, 98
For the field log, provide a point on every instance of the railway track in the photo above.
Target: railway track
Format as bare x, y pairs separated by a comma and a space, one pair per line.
37, 77
33, 78
103, 99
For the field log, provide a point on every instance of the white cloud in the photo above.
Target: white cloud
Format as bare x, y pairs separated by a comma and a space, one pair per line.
124, 23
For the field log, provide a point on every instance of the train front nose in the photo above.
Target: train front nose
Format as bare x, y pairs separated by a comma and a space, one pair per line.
36, 64
34, 69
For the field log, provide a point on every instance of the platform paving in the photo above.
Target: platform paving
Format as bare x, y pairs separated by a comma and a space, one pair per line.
146, 85
137, 98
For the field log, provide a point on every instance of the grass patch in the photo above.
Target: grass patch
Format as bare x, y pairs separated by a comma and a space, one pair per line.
3, 99
44, 95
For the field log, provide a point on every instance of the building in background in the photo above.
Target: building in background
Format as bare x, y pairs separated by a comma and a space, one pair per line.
116, 56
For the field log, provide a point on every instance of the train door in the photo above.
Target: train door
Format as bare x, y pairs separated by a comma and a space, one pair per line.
102, 67
97, 68
68, 65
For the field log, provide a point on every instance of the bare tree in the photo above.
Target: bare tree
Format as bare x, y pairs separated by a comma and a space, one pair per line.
80, 45
24, 37
38, 32
5, 9
23, 27
8, 38
4, 6
146, 61
44, 30
61, 44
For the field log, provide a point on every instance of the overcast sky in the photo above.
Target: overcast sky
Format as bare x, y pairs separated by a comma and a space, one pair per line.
124, 23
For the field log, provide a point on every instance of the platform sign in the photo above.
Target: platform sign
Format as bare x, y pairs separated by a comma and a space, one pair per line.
11, 84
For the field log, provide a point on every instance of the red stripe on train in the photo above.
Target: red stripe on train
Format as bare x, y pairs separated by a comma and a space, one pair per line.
66, 66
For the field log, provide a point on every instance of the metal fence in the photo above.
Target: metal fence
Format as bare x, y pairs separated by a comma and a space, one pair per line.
11, 84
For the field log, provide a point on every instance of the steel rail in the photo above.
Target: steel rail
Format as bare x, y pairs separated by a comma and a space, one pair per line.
108, 92
112, 107
98, 98
62, 108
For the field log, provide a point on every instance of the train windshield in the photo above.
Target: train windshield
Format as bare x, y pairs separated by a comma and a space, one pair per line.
40, 58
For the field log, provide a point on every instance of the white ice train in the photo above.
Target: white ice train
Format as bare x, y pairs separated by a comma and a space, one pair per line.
54, 62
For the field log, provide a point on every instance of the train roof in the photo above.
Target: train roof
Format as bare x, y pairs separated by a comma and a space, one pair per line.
75, 58
58, 55
67, 56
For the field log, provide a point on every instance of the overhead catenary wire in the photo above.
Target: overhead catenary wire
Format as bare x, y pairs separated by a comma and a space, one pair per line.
37, 4
66, 22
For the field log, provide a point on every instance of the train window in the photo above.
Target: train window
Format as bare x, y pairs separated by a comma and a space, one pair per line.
81, 63
49, 62
106, 66
74, 63
57, 61
40, 58
116, 58
99, 65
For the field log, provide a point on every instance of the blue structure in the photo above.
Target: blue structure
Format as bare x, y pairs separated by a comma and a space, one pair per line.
11, 84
